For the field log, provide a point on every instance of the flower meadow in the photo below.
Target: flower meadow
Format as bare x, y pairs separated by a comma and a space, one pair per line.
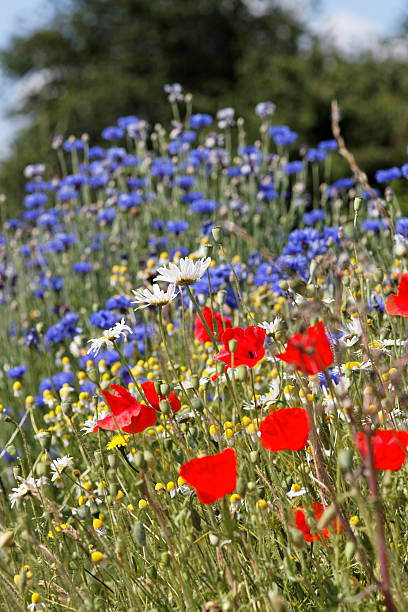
203, 374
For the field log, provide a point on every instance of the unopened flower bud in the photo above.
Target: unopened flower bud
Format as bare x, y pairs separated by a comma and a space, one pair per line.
164, 389
217, 234
232, 345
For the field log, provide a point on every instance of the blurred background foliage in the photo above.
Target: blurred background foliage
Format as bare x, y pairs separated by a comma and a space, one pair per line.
99, 59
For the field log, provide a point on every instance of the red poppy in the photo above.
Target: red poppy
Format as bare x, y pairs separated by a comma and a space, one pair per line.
212, 476
153, 397
127, 414
389, 448
300, 522
249, 350
200, 333
310, 352
398, 304
285, 429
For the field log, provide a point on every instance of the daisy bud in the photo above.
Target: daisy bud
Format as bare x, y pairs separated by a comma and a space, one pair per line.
139, 534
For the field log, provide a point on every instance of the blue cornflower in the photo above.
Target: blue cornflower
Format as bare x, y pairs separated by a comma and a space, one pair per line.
59, 380
124, 122
73, 144
119, 302
374, 225
16, 372
265, 109
293, 167
103, 319
328, 145
316, 155
129, 200
34, 200
404, 170
66, 193
313, 217
192, 196
82, 267
386, 176
200, 120
96, 153
204, 206
176, 227
113, 132
106, 215
162, 167
185, 182
401, 226
282, 135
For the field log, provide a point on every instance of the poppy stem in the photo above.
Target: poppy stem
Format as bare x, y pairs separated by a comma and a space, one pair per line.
380, 530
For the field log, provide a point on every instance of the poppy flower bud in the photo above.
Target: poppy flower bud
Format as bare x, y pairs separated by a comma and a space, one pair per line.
326, 518
149, 458
139, 460
113, 460
66, 408
139, 534
241, 486
221, 297
16, 471
40, 328
296, 537
45, 440
195, 519
283, 285
232, 345
165, 558
208, 249
357, 205
278, 604
6, 539
253, 455
349, 550
197, 405
83, 512
42, 468
242, 373
164, 389
219, 366
22, 580
195, 381
105, 384
157, 386
11, 450
93, 375
346, 460
164, 406
214, 540
217, 234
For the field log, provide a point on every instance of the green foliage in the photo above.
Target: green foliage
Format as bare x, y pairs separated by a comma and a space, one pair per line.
107, 58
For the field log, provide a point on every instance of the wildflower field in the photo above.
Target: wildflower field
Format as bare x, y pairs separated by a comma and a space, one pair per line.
203, 379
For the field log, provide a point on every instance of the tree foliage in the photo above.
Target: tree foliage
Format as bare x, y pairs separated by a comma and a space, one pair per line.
100, 59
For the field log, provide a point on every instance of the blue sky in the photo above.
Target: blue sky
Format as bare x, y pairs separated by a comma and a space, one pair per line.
351, 23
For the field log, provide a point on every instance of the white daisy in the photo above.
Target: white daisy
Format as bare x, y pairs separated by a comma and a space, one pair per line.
59, 465
352, 332
271, 327
157, 297
115, 332
295, 491
186, 272
20, 492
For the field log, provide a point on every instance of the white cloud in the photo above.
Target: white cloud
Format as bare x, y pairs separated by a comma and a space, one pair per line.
347, 32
